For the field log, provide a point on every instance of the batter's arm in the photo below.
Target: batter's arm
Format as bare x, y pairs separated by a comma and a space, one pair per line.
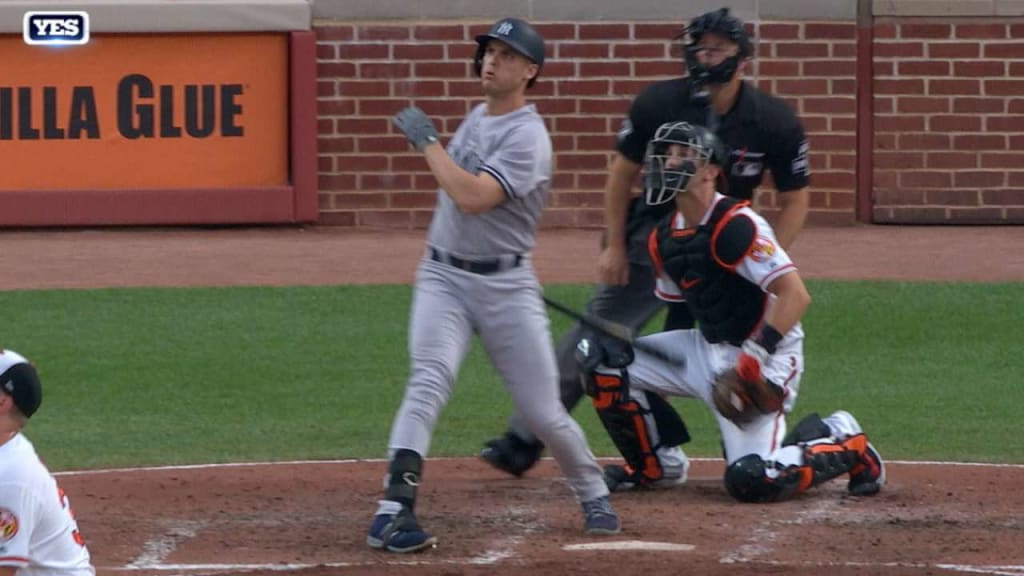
793, 208
613, 263
472, 193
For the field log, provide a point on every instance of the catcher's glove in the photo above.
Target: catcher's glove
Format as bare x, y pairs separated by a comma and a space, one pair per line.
742, 400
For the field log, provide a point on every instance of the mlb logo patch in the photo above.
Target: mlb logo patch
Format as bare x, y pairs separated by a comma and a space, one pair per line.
55, 28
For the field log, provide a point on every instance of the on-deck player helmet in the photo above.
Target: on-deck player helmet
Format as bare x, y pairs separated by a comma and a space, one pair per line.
675, 153
724, 24
518, 34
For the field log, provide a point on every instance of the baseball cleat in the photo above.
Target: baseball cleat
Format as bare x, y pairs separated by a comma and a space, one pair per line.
868, 476
399, 533
511, 454
620, 478
599, 518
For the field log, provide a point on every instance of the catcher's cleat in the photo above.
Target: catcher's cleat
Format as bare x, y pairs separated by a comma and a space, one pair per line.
399, 533
599, 518
511, 454
868, 476
620, 478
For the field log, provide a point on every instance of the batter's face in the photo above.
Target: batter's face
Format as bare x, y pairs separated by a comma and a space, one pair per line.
505, 70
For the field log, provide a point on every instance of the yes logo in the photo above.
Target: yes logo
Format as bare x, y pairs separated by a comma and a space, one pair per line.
505, 28
56, 28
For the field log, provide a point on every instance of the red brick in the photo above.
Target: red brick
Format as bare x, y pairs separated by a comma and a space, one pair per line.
464, 52
583, 87
563, 142
558, 69
952, 197
656, 31
364, 51
609, 68
326, 88
374, 88
979, 68
995, 50
334, 33
846, 162
912, 215
382, 106
385, 218
951, 160
1015, 106
552, 31
801, 50
600, 143
382, 143
881, 68
384, 70
829, 31
926, 140
425, 182
926, 179
446, 32
441, 69
830, 179
356, 125
603, 31
449, 107
843, 124
898, 160
1004, 87
563, 179
581, 125
953, 50
1016, 142
594, 161
335, 70
1004, 124
335, 107
954, 86
821, 67
1016, 69
980, 31
379, 32
419, 88
617, 107
898, 86
1002, 159
925, 31
359, 200
628, 87
924, 68
979, 179
550, 106
779, 31
591, 180
580, 199
842, 86
954, 123
782, 68
639, 50
463, 88
569, 50
1015, 179
412, 200
336, 182
815, 124
357, 163
846, 50
324, 163
1016, 30
883, 105
885, 141
813, 86
657, 68
418, 51
387, 181
326, 51
883, 180
828, 142
900, 123
979, 142
898, 49
883, 31
1009, 197
336, 145
835, 105
922, 105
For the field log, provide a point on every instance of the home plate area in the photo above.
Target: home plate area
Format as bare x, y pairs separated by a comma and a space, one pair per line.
310, 518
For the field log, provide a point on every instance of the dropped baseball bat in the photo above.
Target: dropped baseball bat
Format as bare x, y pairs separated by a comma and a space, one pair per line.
613, 329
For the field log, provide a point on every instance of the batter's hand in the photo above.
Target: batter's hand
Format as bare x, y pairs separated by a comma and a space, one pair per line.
416, 126
613, 266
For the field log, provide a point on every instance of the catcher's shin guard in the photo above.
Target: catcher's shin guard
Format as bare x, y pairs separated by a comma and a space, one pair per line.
632, 426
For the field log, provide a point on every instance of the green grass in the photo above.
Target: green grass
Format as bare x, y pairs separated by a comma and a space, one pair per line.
166, 376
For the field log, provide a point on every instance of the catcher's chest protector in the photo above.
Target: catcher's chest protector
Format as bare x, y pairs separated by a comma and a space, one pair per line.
726, 305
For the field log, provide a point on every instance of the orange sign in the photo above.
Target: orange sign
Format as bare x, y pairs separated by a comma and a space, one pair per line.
145, 112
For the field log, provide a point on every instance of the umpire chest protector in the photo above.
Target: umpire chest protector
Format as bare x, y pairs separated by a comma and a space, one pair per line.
702, 262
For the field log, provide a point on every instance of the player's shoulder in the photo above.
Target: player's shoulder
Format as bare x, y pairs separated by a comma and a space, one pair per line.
736, 231
769, 111
659, 95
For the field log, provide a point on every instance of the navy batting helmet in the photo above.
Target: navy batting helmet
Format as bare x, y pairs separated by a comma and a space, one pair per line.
520, 36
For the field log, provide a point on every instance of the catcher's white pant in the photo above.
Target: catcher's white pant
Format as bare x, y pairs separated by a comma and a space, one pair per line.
694, 375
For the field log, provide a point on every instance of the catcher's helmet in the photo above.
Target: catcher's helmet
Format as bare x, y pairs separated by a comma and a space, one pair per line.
675, 153
724, 24
520, 36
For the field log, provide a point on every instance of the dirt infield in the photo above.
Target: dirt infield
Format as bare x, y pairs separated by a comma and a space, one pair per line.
310, 518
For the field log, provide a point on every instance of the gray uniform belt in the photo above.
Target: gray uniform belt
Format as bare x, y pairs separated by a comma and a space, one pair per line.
489, 266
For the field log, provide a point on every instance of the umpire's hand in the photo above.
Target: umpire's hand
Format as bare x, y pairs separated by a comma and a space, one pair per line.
416, 126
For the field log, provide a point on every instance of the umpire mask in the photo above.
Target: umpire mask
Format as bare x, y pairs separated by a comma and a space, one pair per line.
723, 24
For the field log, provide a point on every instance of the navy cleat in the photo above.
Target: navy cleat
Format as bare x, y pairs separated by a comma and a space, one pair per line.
599, 518
399, 533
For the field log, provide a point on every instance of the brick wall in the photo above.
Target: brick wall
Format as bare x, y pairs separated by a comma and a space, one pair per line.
369, 177
949, 121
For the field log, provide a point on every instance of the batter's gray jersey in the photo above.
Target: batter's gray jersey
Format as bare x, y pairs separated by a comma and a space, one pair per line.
515, 149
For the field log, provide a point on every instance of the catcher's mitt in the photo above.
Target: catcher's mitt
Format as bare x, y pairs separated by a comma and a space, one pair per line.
741, 401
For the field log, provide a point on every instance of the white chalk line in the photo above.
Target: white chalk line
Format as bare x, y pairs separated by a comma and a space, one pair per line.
451, 459
156, 550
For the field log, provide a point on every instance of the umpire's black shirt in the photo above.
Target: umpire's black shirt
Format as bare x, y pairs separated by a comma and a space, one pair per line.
761, 130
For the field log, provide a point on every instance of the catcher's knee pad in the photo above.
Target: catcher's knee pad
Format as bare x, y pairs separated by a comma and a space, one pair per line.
631, 425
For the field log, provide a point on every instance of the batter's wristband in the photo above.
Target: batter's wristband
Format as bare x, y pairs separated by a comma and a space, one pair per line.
768, 337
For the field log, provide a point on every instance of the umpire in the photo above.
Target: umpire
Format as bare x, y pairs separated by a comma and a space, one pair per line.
762, 133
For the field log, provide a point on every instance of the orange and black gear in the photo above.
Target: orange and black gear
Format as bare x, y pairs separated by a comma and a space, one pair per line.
625, 420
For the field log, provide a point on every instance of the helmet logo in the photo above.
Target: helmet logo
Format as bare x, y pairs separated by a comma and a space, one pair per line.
505, 28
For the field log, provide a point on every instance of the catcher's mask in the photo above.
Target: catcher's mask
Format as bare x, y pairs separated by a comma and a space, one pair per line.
674, 155
722, 23
520, 35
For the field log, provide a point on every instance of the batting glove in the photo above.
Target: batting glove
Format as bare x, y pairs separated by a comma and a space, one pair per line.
416, 126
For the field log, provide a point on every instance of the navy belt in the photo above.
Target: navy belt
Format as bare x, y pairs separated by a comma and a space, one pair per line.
491, 266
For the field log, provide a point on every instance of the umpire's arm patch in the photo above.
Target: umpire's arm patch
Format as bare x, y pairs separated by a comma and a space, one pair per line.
732, 240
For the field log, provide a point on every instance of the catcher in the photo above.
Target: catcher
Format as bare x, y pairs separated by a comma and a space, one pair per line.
745, 359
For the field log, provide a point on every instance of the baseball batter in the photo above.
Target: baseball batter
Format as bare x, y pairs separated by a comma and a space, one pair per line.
38, 532
764, 135
476, 277
723, 260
